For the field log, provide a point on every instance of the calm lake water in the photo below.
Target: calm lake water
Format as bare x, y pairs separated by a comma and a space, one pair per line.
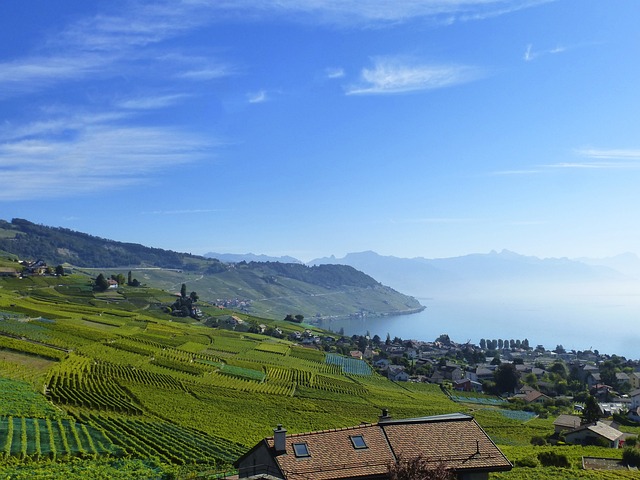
608, 323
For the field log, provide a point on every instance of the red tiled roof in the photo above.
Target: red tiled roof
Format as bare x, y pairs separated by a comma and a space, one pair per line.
456, 440
332, 455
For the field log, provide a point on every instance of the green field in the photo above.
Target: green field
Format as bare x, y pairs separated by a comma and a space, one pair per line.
109, 386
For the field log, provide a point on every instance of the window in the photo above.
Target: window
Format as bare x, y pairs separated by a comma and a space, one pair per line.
301, 450
358, 441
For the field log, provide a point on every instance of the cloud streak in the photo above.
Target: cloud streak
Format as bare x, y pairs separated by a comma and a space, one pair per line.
595, 159
390, 75
375, 12
93, 157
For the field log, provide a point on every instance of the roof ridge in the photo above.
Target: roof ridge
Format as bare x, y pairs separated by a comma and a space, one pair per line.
339, 429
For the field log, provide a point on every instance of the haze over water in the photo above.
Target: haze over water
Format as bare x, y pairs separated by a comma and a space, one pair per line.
606, 322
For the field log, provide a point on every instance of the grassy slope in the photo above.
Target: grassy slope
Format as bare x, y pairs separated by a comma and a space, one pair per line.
163, 382
275, 289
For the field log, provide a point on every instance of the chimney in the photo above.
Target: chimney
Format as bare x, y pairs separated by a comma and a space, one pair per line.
385, 417
279, 439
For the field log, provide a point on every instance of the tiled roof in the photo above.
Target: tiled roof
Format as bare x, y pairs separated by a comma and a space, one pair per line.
332, 455
601, 429
567, 421
455, 439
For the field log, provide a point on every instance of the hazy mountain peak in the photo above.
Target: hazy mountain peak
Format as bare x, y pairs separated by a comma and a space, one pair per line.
249, 257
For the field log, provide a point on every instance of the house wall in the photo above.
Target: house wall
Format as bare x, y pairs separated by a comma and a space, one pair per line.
473, 476
259, 462
580, 438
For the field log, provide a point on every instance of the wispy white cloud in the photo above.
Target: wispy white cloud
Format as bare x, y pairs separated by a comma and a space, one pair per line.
627, 154
399, 75
207, 73
257, 97
593, 159
152, 103
531, 54
368, 12
335, 73
517, 172
443, 220
91, 157
182, 212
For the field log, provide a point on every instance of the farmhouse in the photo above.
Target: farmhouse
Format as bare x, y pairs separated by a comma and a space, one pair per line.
566, 422
366, 451
594, 432
396, 373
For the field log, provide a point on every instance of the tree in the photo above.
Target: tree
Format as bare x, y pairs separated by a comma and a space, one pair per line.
362, 344
59, 270
419, 468
194, 297
483, 344
591, 412
299, 318
559, 368
506, 378
101, 284
183, 290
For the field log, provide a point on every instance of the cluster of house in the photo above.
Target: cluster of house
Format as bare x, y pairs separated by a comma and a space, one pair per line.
36, 267
242, 305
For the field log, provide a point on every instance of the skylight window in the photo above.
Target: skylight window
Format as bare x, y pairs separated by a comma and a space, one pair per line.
358, 441
301, 450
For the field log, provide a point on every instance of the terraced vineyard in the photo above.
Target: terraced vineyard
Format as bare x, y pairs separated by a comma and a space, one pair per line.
87, 379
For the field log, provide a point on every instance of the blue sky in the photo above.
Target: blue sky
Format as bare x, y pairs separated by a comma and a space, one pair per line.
318, 127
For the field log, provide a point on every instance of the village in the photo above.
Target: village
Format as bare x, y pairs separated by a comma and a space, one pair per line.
548, 383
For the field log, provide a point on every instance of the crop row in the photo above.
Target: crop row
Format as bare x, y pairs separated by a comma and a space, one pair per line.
76, 330
90, 391
168, 441
243, 385
264, 358
144, 346
19, 399
276, 348
339, 386
241, 372
350, 366
180, 366
46, 438
31, 348
136, 375
300, 377
310, 354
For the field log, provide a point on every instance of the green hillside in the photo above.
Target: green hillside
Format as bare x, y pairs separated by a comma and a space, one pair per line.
106, 385
267, 289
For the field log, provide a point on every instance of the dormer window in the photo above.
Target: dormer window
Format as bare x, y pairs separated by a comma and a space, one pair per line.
358, 441
301, 450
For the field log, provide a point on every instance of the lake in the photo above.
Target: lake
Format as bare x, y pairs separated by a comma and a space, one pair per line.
607, 322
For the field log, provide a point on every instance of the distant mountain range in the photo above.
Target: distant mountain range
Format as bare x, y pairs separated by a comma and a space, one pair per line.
507, 270
249, 257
